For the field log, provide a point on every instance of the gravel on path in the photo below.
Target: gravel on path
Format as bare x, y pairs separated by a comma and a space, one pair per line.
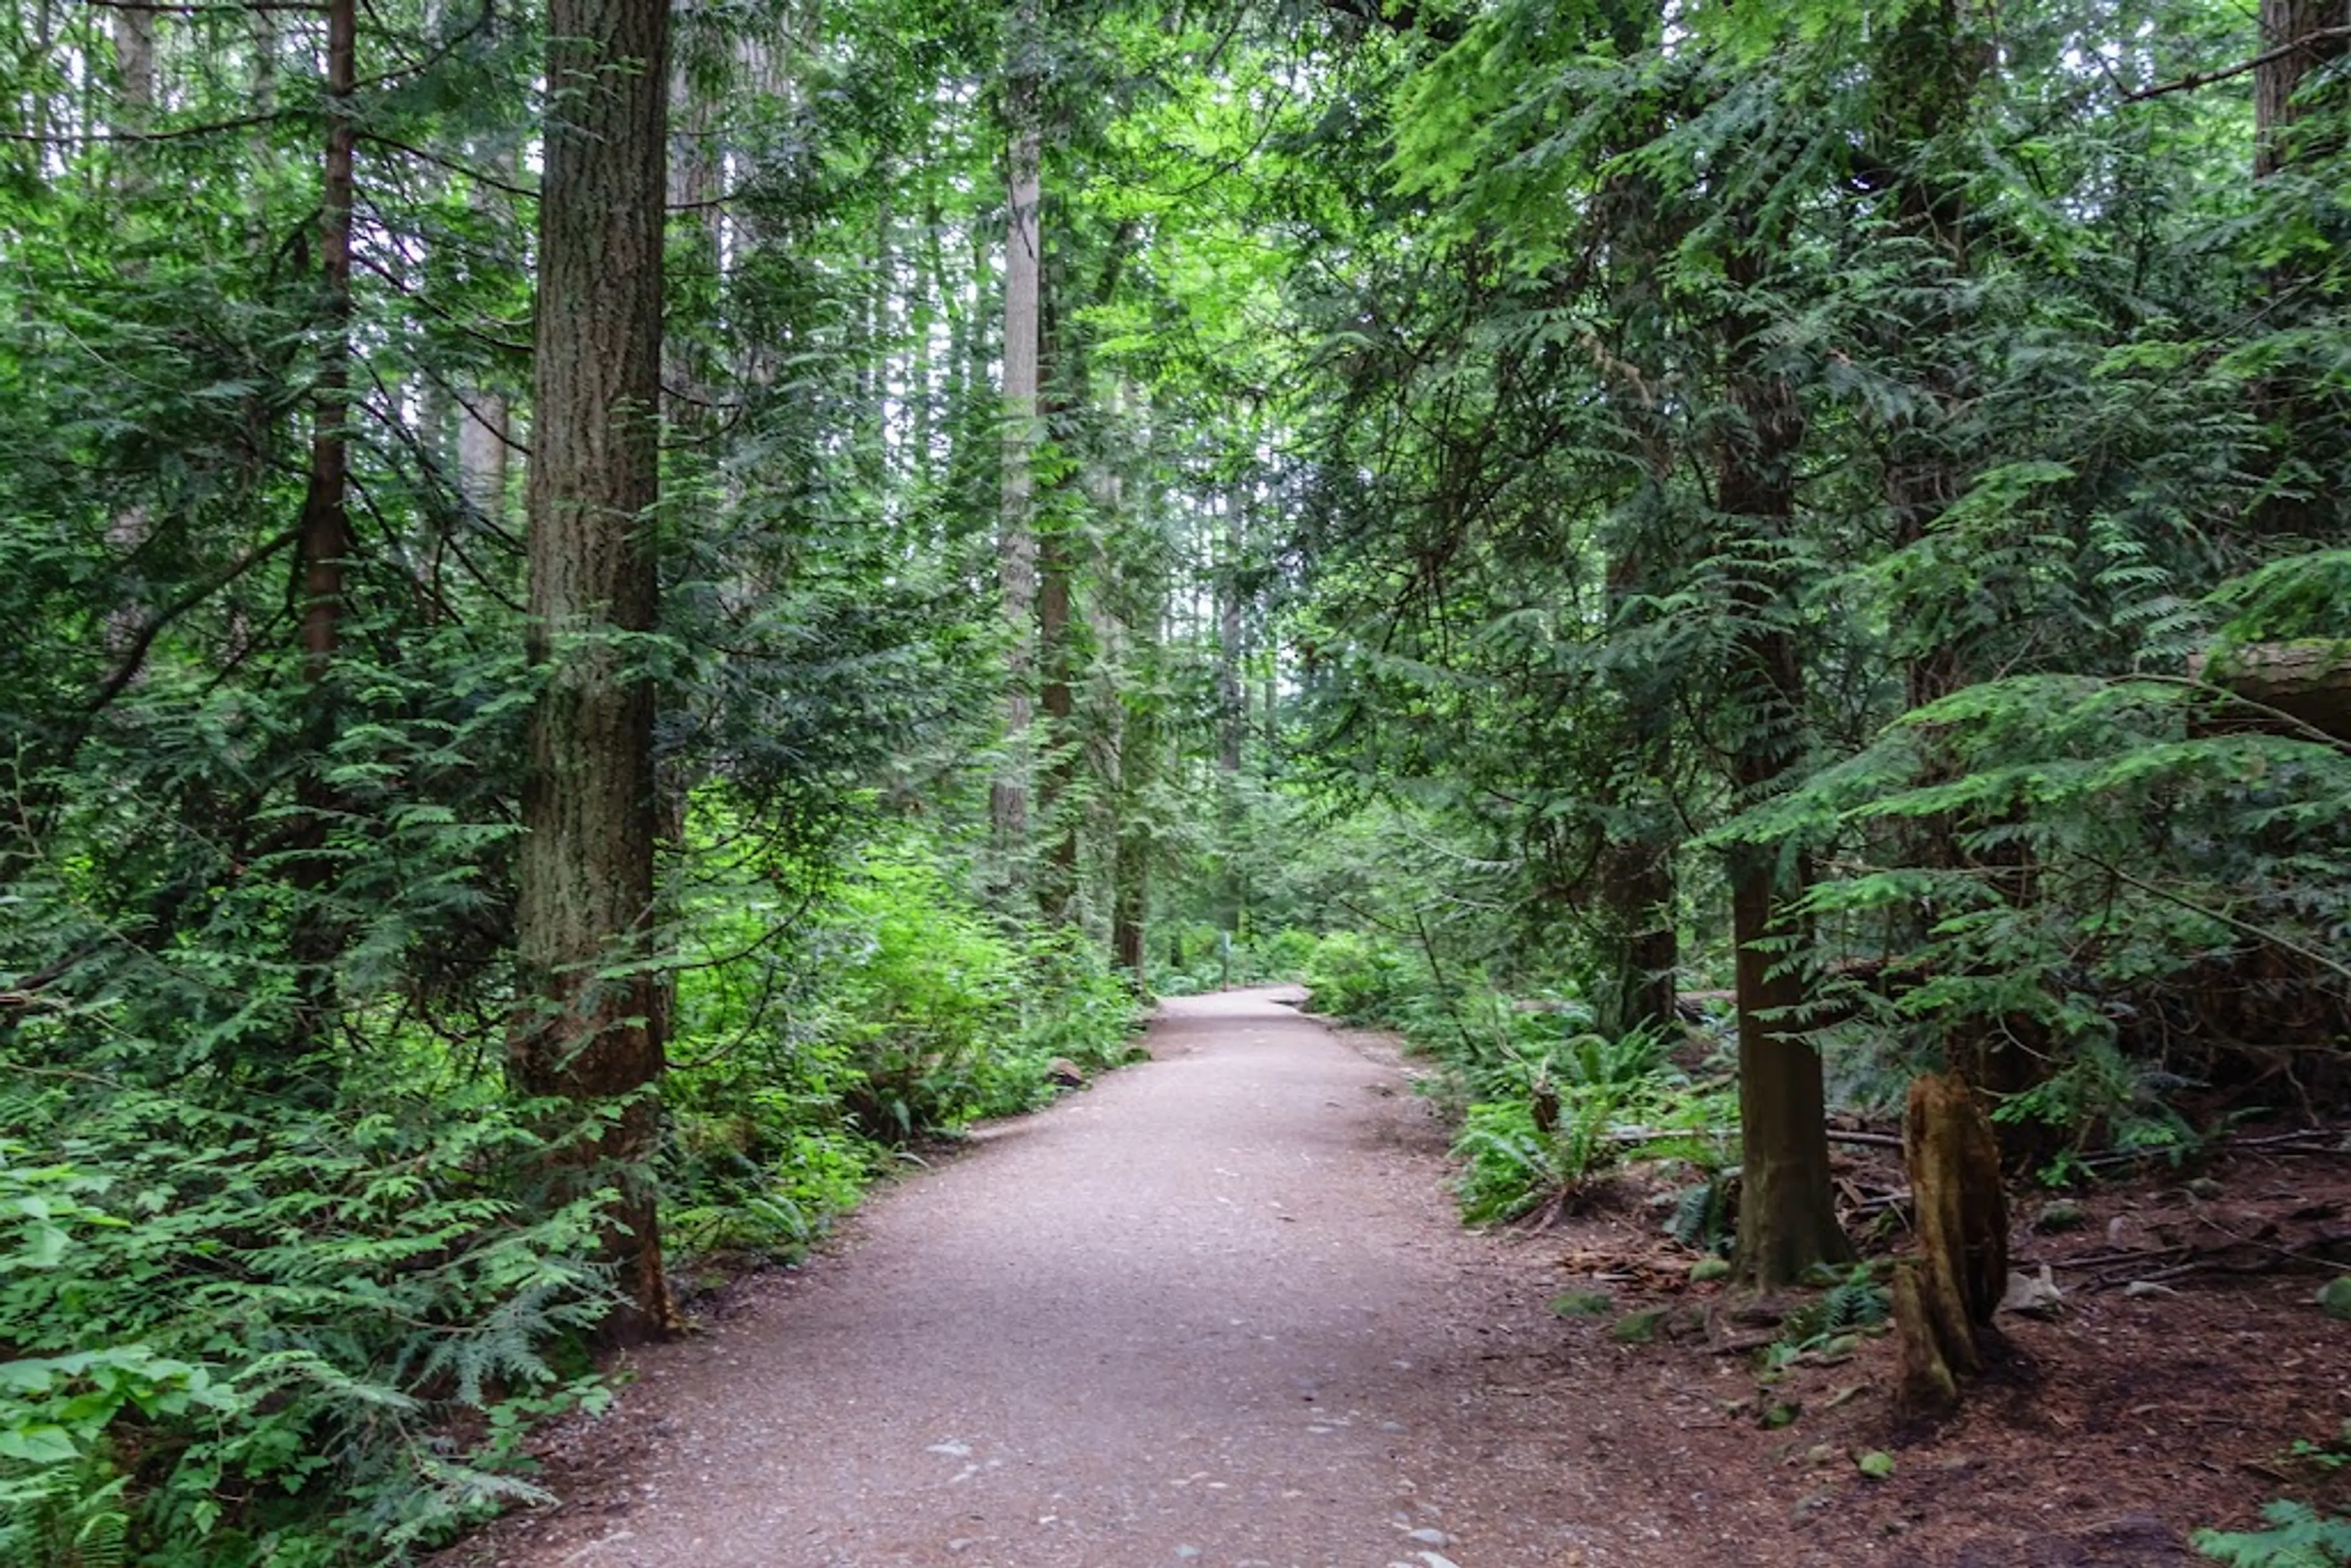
1216, 1310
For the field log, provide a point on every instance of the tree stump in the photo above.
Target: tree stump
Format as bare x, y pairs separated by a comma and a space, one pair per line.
1944, 1298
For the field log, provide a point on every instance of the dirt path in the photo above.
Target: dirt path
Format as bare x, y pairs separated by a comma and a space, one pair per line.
1215, 1310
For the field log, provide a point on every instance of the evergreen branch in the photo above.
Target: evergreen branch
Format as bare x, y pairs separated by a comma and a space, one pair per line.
242, 8
134, 658
181, 133
2235, 922
393, 144
2195, 80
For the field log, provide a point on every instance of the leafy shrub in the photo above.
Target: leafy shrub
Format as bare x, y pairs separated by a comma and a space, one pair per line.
894, 1009
1284, 956
1360, 979
1555, 1112
1509, 1163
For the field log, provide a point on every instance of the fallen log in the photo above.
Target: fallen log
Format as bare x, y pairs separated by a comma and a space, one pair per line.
2307, 681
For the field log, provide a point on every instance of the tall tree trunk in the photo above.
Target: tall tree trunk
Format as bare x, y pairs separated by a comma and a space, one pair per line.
134, 62
1929, 67
1016, 537
589, 1028
2298, 39
1787, 1220
1638, 938
1061, 372
323, 546
485, 419
930, 285
1135, 615
1232, 703
325, 531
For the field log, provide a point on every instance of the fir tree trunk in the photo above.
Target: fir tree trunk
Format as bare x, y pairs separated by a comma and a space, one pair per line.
2298, 39
134, 62
1061, 369
588, 1028
1787, 1220
1232, 703
1016, 537
322, 548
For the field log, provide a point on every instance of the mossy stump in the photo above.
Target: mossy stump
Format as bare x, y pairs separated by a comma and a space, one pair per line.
1944, 1298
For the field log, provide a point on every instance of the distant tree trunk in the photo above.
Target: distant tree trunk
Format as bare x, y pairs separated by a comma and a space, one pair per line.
483, 455
323, 546
2298, 39
588, 1028
127, 531
325, 531
1059, 370
1930, 64
1232, 701
134, 61
1638, 936
1138, 607
485, 422
1787, 1220
1638, 944
1643, 949
1017, 538
1139, 753
922, 405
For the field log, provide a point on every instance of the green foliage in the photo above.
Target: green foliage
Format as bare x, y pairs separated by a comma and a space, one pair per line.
1700, 1217
1851, 1303
1360, 979
287, 1308
1550, 1111
2297, 1537
898, 1010
2298, 596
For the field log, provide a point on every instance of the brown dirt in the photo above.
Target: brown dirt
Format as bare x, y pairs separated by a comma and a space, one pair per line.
1216, 1310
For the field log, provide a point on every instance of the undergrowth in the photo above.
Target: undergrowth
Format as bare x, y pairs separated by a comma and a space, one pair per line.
1546, 1105
311, 1324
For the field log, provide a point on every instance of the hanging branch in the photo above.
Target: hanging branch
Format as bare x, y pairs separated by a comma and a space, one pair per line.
2195, 80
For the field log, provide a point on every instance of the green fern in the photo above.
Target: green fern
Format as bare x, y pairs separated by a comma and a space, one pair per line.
1700, 1217
2298, 1538
1852, 1303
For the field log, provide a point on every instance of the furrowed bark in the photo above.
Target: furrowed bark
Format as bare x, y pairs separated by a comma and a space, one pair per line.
588, 1028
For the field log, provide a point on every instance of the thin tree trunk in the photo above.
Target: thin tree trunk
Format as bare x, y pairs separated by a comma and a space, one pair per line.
1017, 538
1134, 618
323, 546
1787, 1220
1232, 703
590, 1026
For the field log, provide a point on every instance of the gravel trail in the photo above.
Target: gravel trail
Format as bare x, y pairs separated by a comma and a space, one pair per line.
1214, 1310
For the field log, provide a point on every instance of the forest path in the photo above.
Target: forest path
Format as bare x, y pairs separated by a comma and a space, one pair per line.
1216, 1310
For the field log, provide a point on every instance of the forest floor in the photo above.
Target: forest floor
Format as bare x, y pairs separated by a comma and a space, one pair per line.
1218, 1310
